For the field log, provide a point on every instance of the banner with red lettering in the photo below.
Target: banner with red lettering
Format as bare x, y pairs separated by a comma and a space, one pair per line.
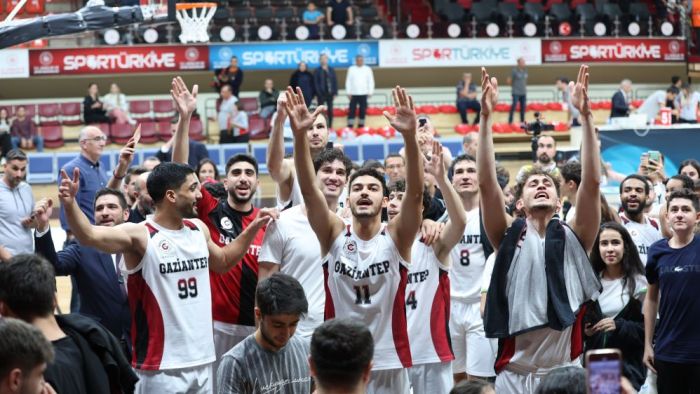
110, 60
613, 50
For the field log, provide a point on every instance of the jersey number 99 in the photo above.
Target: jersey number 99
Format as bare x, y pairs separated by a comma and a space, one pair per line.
187, 288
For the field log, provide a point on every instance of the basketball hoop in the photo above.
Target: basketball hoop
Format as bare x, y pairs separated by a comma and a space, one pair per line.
194, 20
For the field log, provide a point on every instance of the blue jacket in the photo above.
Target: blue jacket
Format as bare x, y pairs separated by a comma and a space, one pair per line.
324, 80
620, 107
101, 295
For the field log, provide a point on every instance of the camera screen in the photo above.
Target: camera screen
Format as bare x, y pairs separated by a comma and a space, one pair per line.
604, 376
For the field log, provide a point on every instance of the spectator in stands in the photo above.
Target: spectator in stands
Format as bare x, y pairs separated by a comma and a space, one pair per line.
657, 100
239, 125
304, 80
231, 76
16, 205
467, 99
688, 105
620, 322
24, 133
5, 137
312, 17
395, 166
426, 134
326, 86
339, 12
546, 152
89, 358
476, 386
206, 171
571, 111
24, 354
268, 99
470, 142
359, 85
150, 162
341, 356
518, 89
116, 105
622, 100
93, 108
227, 111
690, 168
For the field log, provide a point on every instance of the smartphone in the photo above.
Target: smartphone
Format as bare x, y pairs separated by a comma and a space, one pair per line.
654, 155
644, 161
603, 371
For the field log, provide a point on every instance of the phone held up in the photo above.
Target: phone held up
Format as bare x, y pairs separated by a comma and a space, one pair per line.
604, 371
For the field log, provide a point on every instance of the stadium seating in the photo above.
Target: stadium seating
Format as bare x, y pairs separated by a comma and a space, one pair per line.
163, 109
70, 114
149, 132
53, 136
197, 130
140, 109
120, 133
49, 114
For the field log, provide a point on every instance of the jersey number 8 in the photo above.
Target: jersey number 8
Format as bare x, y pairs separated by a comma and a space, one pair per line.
464, 257
187, 288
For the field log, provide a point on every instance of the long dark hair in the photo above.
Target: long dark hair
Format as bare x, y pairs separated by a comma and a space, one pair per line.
631, 263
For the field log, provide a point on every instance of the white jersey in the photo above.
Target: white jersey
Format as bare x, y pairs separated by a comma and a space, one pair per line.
366, 281
428, 306
468, 262
170, 300
643, 234
290, 242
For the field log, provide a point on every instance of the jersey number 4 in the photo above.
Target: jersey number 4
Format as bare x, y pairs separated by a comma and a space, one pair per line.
411, 300
187, 288
464, 257
362, 295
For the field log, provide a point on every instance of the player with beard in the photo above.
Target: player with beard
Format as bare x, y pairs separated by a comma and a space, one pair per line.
366, 262
542, 279
546, 151
634, 194
167, 259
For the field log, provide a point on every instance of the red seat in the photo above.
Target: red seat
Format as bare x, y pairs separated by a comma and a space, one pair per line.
149, 132
140, 109
462, 129
257, 128
165, 130
49, 114
163, 109
249, 104
121, 133
70, 114
53, 136
340, 112
447, 109
196, 130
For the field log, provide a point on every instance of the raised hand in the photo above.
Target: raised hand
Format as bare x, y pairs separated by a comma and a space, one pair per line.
185, 102
489, 93
300, 118
68, 187
126, 154
405, 119
434, 164
579, 92
265, 216
42, 213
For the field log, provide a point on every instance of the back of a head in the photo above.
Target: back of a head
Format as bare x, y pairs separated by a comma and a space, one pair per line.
166, 176
22, 346
341, 352
476, 386
28, 286
281, 294
571, 171
566, 380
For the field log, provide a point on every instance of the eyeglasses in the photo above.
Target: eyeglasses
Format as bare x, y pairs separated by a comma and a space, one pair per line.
96, 139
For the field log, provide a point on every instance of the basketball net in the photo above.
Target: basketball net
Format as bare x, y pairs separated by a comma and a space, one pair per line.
194, 21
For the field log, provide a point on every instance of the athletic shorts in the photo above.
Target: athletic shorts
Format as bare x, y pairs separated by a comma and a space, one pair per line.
193, 380
389, 381
433, 378
521, 382
474, 353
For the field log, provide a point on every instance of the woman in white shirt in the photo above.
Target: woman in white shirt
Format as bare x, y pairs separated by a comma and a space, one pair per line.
5, 140
619, 308
116, 106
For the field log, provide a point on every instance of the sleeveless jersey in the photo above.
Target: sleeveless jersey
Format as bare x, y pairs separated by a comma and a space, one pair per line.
468, 262
366, 281
428, 306
643, 234
233, 292
170, 300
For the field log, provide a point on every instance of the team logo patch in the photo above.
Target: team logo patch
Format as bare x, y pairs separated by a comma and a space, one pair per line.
164, 246
634, 233
226, 223
350, 247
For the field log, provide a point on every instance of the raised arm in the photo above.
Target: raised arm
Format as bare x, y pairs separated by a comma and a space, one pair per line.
404, 227
126, 156
496, 220
450, 235
281, 170
325, 223
588, 196
185, 103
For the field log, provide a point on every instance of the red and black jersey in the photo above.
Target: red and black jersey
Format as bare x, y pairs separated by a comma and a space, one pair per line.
232, 293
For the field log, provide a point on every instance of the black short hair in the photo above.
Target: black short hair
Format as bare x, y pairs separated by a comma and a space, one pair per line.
673, 90
216, 189
207, 160
565, 380
134, 170
113, 192
329, 156
571, 171
22, 346
281, 294
238, 158
675, 79
687, 194
341, 349
690, 162
475, 386
371, 163
400, 187
688, 182
461, 158
368, 172
392, 155
638, 177
28, 286
563, 80
166, 176
15, 154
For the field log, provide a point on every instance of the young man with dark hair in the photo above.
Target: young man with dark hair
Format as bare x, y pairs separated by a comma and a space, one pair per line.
542, 278
570, 181
341, 357
16, 205
24, 353
672, 344
544, 157
272, 359
366, 262
634, 193
168, 258
290, 245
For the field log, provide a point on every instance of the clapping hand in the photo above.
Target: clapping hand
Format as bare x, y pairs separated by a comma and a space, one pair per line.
405, 119
489, 93
579, 92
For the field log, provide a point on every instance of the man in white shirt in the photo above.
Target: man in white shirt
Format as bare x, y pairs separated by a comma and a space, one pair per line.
689, 105
657, 100
359, 85
227, 112
634, 191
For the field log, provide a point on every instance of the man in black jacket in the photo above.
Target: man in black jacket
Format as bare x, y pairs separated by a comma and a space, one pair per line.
621, 100
326, 86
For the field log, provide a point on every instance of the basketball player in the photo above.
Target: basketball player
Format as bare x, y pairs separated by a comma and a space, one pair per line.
542, 277
167, 259
474, 353
428, 288
366, 262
